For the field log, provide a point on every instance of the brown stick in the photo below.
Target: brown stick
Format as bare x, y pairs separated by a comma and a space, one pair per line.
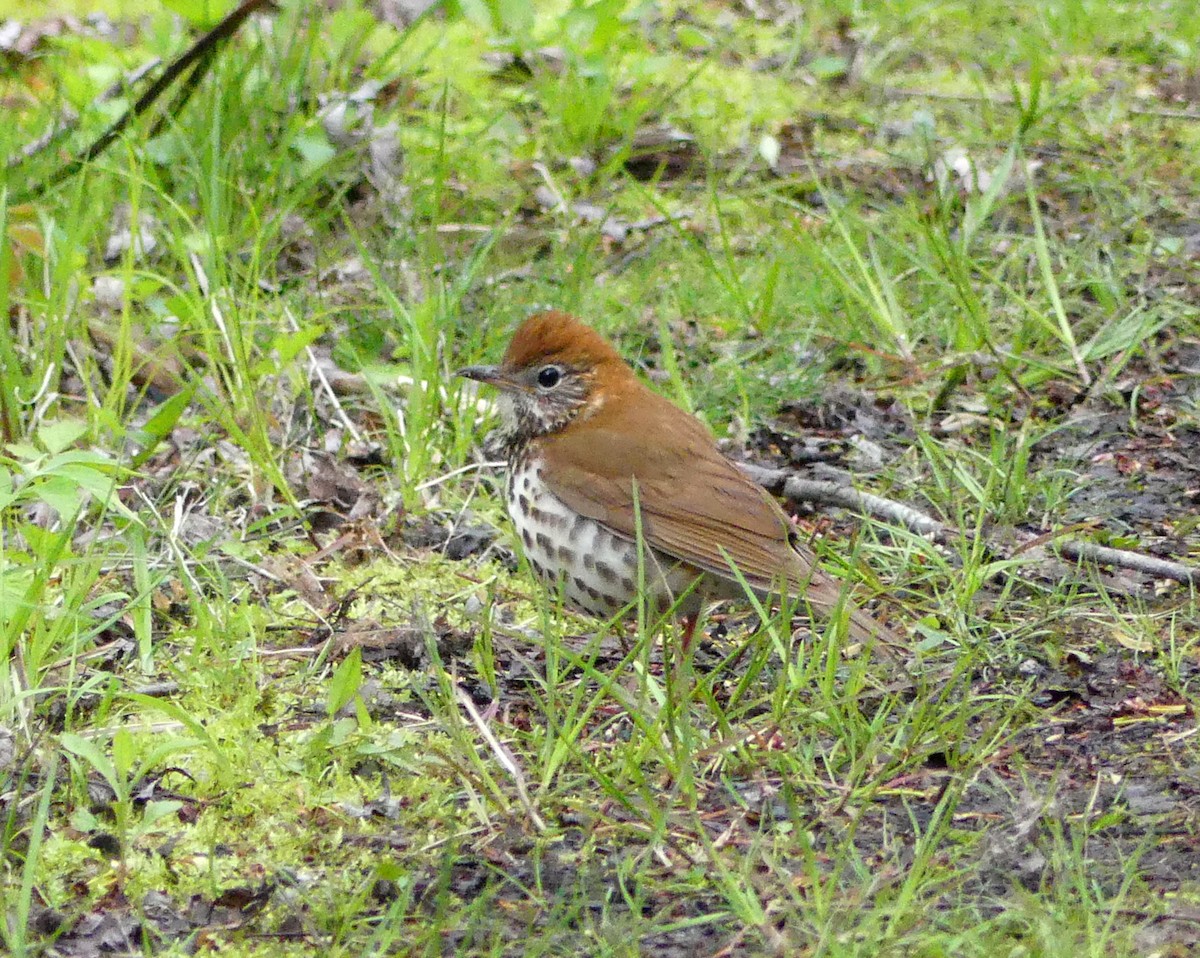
69, 119
199, 53
823, 492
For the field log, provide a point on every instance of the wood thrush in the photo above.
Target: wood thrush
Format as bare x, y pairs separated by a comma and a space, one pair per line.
593, 454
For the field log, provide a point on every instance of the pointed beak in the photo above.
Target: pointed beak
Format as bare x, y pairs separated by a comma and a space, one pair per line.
493, 375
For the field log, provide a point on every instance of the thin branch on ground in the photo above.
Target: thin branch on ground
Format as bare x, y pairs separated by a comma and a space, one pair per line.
824, 492
318, 374
504, 756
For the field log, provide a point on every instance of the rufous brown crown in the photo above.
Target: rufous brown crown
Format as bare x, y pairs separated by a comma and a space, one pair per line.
559, 337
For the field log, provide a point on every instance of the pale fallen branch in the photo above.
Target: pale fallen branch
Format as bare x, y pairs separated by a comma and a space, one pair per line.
827, 493
507, 760
1124, 559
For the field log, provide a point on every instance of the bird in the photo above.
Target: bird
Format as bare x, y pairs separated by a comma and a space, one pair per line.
598, 462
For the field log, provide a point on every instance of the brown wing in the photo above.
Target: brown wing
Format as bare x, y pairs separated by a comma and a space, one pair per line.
695, 504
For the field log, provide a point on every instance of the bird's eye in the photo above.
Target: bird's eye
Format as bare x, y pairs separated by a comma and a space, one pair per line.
549, 377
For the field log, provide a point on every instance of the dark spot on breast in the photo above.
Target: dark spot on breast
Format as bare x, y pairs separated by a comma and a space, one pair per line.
606, 572
527, 539
628, 585
566, 555
589, 561
544, 543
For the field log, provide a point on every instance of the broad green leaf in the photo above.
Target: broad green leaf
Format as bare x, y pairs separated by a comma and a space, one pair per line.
314, 149
693, 38
161, 423
156, 811
60, 434
514, 17
288, 346
346, 681
476, 11
61, 494
90, 752
829, 67
123, 751
23, 451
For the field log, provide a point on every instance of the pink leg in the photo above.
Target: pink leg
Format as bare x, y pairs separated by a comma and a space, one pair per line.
689, 628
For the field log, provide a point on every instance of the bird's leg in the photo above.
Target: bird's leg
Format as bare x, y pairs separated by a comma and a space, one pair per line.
677, 668
689, 629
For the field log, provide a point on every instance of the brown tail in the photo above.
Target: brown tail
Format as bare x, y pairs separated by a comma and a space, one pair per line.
824, 597
865, 628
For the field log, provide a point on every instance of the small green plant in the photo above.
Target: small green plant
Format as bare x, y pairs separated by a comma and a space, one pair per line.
46, 586
122, 769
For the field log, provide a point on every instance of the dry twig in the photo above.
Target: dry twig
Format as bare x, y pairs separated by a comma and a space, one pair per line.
505, 757
824, 492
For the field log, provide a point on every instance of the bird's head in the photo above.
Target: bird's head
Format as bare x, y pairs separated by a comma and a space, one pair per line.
555, 370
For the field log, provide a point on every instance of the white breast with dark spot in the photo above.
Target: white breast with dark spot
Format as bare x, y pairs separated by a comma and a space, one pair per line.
597, 569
